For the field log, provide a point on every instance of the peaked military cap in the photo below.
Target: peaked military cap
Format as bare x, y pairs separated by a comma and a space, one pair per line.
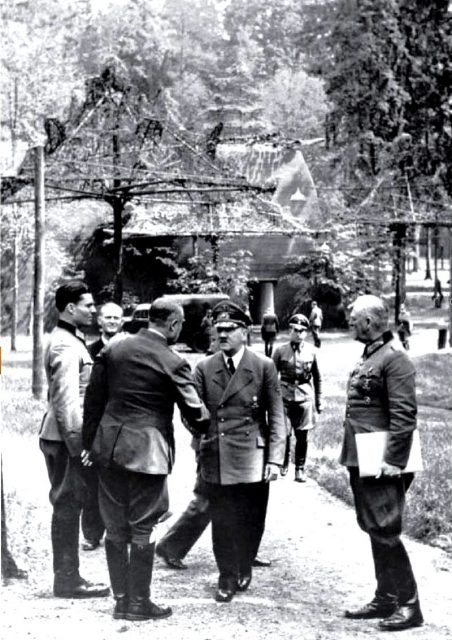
229, 315
299, 321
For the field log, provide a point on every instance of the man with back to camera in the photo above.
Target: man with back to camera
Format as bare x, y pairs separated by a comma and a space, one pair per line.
269, 330
243, 448
128, 430
316, 321
68, 367
110, 321
382, 397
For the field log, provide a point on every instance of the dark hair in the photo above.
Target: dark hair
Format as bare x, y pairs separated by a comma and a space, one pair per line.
70, 291
161, 309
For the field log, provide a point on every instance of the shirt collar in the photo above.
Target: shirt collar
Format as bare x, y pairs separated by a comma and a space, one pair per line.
159, 333
72, 329
370, 348
235, 358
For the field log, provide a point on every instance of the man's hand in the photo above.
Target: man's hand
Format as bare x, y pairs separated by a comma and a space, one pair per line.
271, 472
387, 469
84, 457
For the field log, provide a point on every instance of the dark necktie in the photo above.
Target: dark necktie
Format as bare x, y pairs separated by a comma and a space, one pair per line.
295, 346
231, 366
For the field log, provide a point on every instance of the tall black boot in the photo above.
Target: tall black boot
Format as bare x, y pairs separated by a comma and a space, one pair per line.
118, 568
139, 589
67, 582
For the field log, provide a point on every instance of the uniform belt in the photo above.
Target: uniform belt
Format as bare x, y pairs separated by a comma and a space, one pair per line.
296, 380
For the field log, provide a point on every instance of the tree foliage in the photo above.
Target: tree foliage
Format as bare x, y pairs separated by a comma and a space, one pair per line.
212, 272
390, 87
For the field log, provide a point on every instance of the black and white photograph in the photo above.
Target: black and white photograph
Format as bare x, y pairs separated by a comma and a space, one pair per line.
226, 319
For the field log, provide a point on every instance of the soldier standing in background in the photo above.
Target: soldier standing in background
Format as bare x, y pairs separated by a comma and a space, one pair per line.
110, 321
301, 383
269, 330
316, 321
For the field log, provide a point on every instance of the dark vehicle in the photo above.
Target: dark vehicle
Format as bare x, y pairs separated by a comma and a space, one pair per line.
194, 305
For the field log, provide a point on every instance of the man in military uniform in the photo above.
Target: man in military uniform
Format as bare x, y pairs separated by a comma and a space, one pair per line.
110, 321
382, 397
316, 321
243, 448
68, 368
301, 383
128, 430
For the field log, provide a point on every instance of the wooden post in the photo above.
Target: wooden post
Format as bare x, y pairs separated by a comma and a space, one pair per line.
428, 275
38, 284
118, 208
399, 268
450, 286
15, 269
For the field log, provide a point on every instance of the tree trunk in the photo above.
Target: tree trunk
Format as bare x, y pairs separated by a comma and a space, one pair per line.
38, 286
14, 302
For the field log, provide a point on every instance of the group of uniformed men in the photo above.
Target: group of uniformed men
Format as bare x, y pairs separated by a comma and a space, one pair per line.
118, 416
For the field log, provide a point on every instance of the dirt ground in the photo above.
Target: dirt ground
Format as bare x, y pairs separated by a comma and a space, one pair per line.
321, 565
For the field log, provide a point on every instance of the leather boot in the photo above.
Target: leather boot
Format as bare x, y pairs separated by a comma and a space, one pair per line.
118, 568
69, 584
382, 606
406, 615
300, 474
139, 585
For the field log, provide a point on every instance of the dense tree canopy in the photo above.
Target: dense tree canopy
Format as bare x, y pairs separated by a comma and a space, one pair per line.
374, 78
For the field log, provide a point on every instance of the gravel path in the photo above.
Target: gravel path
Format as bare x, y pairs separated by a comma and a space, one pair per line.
321, 565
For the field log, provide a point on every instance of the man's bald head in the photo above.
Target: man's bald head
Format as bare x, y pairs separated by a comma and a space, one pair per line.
167, 317
368, 318
110, 319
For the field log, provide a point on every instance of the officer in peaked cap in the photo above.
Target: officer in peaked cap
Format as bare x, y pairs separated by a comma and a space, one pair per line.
243, 448
228, 313
296, 362
299, 321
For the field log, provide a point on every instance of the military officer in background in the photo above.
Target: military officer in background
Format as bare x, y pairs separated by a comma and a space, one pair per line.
301, 383
382, 397
243, 448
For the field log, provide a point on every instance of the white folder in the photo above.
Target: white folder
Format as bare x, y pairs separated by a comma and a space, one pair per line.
371, 449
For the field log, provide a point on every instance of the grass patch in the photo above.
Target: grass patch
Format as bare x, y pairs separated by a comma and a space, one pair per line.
433, 380
428, 515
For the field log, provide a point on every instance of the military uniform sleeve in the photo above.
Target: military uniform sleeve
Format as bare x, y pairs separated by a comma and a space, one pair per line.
317, 381
191, 406
401, 393
96, 397
64, 366
275, 415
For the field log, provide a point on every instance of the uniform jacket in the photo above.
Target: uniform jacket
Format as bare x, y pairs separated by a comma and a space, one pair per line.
129, 403
381, 396
68, 368
95, 347
269, 324
316, 317
299, 372
247, 427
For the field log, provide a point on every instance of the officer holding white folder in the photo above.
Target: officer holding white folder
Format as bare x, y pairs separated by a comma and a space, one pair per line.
381, 396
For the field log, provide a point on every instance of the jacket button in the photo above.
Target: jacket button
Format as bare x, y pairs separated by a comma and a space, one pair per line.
221, 419
221, 434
